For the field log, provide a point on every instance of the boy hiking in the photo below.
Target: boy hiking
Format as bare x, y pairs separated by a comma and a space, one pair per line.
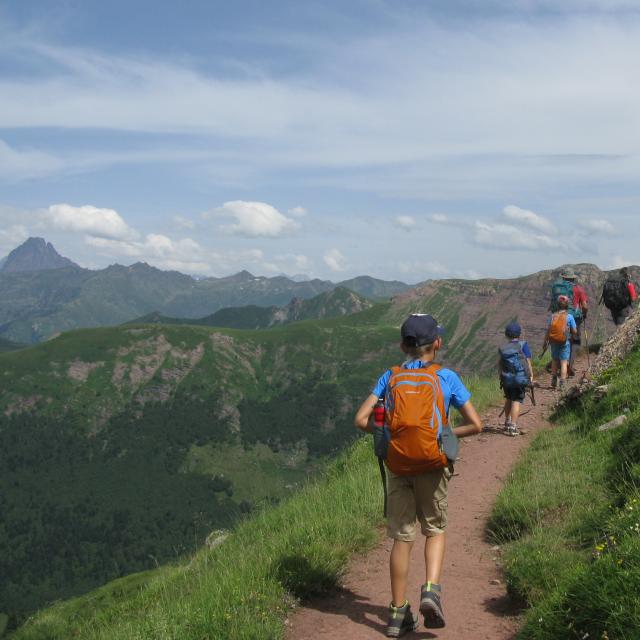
560, 330
578, 307
618, 295
516, 374
417, 396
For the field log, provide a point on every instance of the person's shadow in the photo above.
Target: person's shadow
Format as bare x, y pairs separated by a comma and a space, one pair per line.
344, 602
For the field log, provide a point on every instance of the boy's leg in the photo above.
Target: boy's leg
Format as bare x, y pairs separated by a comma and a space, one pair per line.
399, 561
563, 369
432, 507
434, 547
507, 410
515, 412
401, 526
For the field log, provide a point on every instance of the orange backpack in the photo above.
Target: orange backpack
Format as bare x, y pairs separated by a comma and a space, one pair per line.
415, 416
558, 328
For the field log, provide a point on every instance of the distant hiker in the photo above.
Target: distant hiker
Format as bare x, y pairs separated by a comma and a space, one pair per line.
578, 307
516, 374
417, 397
618, 295
560, 330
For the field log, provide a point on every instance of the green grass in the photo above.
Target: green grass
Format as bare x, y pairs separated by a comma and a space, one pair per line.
569, 520
244, 587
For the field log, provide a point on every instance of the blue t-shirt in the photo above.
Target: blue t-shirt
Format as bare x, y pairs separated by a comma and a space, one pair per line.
571, 324
453, 390
525, 347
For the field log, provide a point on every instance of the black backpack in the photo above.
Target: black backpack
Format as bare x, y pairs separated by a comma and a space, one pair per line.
615, 293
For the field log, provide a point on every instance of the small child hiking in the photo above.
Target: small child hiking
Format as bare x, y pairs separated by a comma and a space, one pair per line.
560, 330
417, 396
516, 374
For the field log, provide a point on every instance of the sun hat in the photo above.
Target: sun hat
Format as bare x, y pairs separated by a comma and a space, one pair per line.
568, 274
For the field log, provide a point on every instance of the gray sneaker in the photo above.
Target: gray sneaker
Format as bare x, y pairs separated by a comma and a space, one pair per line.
512, 430
430, 607
401, 620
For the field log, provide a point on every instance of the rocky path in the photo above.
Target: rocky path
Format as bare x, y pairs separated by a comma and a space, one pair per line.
474, 598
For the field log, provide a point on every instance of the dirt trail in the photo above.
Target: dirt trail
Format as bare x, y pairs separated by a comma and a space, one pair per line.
474, 597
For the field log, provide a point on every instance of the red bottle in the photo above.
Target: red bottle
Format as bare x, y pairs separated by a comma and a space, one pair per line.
378, 413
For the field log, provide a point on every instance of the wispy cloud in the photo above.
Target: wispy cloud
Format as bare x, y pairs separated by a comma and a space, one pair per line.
405, 222
598, 226
510, 238
528, 218
335, 260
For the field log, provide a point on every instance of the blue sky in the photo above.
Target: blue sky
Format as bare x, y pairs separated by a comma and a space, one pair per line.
401, 139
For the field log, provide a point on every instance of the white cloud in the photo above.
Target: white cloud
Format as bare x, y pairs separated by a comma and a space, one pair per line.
94, 221
405, 222
440, 218
298, 212
335, 260
11, 237
598, 226
508, 237
255, 219
182, 255
529, 219
183, 223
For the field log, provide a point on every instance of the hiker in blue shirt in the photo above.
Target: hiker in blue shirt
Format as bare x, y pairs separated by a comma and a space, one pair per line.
516, 374
418, 395
560, 330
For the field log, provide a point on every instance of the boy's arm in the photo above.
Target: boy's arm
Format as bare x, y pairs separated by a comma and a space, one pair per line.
364, 413
471, 421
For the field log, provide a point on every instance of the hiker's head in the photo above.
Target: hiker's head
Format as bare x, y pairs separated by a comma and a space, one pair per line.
421, 335
563, 302
513, 330
624, 272
568, 274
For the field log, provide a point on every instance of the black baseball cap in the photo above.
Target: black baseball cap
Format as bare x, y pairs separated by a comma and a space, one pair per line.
420, 329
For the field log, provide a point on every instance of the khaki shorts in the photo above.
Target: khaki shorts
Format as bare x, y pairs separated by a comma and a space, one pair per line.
420, 498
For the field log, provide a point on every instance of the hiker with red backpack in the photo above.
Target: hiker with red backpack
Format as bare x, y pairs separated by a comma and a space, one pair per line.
516, 375
618, 295
561, 329
421, 449
566, 285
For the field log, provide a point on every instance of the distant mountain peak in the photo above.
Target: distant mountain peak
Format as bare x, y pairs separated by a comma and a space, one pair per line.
35, 254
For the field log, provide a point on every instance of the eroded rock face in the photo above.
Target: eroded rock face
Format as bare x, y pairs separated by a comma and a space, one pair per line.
475, 313
618, 346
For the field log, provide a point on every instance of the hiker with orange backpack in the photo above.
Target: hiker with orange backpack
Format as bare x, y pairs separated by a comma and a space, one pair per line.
421, 449
578, 307
561, 329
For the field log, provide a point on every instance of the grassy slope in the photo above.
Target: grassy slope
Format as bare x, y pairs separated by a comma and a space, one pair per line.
569, 518
244, 587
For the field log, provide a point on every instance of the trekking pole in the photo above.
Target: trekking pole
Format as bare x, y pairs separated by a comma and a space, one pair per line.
383, 475
586, 340
533, 395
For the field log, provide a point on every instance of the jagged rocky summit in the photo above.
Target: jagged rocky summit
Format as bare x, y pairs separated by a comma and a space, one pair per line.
35, 254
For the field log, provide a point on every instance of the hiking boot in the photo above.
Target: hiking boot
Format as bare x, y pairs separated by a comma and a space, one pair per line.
562, 384
554, 382
512, 430
401, 620
430, 606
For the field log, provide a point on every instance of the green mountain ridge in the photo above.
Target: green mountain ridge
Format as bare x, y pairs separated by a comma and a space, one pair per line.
337, 302
40, 304
146, 438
